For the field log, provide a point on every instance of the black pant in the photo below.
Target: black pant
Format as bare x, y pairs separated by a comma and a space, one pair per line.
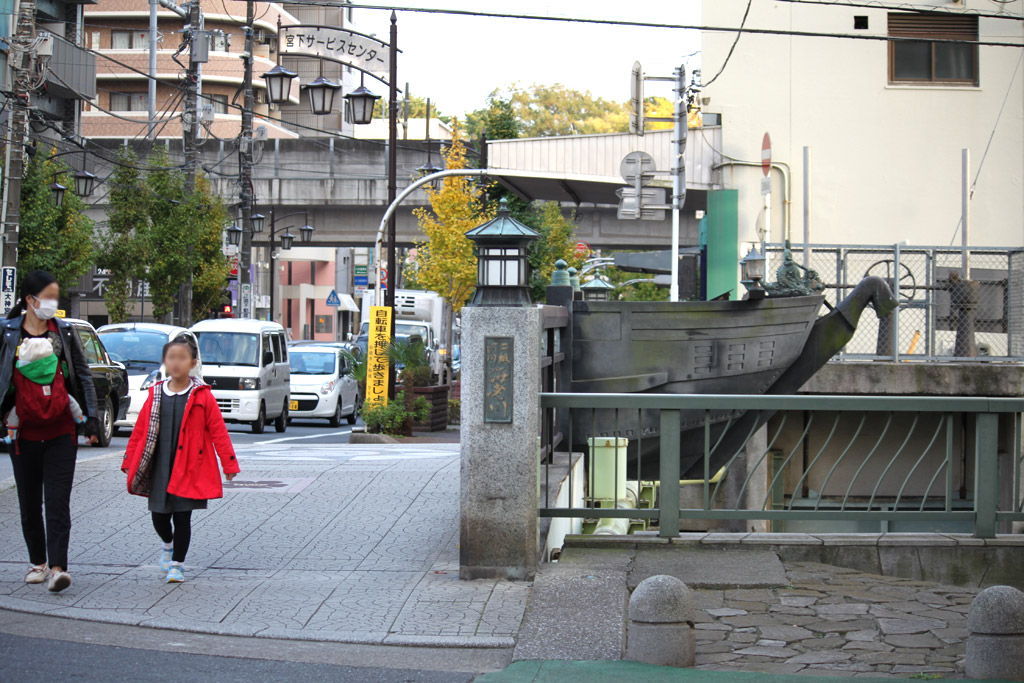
180, 535
45, 469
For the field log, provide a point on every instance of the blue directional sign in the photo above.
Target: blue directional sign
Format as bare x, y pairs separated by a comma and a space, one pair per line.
332, 299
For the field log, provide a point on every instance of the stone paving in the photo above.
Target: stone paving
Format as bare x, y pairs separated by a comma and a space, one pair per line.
834, 620
339, 543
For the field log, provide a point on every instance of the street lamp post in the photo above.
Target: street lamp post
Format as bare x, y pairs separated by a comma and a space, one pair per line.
287, 239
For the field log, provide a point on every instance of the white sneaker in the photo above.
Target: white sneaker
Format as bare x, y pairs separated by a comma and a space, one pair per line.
59, 581
37, 574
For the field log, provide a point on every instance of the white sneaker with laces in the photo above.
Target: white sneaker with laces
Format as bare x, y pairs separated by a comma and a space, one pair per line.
37, 573
59, 581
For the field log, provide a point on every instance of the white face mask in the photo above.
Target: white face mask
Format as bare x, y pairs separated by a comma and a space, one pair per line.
46, 308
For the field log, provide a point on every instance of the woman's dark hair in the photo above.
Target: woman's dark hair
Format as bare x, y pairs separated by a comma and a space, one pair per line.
185, 341
31, 285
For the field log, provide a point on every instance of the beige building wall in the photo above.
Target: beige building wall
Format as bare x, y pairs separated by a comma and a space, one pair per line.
885, 159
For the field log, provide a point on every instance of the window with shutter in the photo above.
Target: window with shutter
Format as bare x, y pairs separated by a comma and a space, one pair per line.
936, 49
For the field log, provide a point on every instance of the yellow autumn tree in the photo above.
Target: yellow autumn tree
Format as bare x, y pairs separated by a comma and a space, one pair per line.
445, 262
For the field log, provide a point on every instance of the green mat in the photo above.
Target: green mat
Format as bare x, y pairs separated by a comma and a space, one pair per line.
557, 671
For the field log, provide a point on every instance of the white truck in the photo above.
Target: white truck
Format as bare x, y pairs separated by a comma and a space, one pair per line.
417, 312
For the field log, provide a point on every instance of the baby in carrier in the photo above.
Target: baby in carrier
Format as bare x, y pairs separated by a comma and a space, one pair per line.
39, 398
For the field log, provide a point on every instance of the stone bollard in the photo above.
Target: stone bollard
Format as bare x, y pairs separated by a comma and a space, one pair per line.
661, 623
995, 634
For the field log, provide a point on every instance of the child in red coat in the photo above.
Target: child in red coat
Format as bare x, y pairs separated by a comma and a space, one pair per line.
172, 454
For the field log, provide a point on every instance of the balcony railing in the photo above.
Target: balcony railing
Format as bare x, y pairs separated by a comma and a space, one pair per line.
71, 72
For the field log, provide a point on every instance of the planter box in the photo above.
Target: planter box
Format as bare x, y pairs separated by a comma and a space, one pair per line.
437, 397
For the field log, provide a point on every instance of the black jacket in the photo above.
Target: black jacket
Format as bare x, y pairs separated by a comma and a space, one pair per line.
78, 379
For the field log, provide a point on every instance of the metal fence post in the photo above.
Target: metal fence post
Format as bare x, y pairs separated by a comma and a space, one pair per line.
668, 513
986, 474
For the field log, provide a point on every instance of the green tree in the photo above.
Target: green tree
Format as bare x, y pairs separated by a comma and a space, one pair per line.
445, 263
417, 109
497, 120
121, 248
556, 242
51, 238
184, 239
210, 265
543, 110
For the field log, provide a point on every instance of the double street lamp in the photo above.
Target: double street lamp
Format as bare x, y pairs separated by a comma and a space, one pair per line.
234, 238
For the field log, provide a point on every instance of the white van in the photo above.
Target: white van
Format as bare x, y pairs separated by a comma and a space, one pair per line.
139, 347
245, 362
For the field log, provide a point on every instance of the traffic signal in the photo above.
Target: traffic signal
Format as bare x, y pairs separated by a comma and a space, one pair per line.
226, 311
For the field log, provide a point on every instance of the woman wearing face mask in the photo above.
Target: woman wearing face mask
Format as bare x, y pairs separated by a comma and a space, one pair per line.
43, 456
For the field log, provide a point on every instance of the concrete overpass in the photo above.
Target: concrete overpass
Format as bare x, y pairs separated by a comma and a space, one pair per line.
343, 185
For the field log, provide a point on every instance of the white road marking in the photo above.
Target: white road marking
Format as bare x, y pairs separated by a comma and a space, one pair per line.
296, 438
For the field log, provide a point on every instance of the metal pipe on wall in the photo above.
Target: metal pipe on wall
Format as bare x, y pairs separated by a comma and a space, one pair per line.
807, 207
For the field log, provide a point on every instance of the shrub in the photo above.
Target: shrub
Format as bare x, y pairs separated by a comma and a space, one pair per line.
454, 411
395, 418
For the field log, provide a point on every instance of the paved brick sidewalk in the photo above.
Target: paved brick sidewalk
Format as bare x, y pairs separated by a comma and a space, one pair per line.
338, 543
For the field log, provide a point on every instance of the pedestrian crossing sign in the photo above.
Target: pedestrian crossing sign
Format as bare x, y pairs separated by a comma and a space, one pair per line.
332, 299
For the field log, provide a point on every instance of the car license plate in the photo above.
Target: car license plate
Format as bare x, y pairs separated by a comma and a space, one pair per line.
293, 405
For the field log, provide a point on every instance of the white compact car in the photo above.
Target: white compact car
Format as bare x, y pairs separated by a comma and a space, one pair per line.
321, 386
139, 347
246, 365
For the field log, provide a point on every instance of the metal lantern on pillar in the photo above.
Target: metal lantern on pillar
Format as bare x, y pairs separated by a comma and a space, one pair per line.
279, 84
502, 245
596, 289
234, 234
321, 95
258, 221
286, 241
362, 101
84, 183
752, 267
306, 234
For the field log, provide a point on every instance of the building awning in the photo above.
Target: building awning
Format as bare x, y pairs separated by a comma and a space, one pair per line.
574, 189
348, 303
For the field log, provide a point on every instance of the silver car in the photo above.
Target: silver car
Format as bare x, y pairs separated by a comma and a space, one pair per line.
321, 386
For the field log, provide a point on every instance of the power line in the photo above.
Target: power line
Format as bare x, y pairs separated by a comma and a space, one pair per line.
743, 23
652, 24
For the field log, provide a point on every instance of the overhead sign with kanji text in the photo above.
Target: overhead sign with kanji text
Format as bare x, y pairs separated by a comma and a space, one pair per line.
338, 45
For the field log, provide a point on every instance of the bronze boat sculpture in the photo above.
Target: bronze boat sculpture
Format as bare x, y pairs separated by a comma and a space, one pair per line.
767, 345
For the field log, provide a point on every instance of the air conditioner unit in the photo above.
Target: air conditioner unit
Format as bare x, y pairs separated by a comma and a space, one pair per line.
262, 37
260, 96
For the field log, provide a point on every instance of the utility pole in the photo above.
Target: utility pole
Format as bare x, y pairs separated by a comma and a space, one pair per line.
245, 162
197, 54
680, 125
21, 62
392, 184
153, 6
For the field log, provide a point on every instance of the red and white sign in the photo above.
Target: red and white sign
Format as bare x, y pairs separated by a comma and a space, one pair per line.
766, 154
583, 249
384, 278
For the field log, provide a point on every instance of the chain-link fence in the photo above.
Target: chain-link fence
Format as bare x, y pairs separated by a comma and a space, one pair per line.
942, 315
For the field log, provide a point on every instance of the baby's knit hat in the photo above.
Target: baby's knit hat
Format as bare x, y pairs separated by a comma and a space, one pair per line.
34, 348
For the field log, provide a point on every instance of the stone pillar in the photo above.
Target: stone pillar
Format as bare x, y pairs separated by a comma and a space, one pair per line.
995, 634
661, 628
498, 526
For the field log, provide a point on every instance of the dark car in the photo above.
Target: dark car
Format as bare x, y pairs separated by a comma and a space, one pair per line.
108, 376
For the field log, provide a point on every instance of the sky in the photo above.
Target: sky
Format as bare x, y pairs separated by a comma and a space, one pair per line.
457, 61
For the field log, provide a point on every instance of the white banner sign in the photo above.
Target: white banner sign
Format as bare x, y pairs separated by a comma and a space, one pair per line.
346, 47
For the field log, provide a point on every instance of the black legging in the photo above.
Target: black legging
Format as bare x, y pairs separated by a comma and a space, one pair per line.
180, 535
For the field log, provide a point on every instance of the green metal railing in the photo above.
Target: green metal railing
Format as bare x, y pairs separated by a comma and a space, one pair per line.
901, 464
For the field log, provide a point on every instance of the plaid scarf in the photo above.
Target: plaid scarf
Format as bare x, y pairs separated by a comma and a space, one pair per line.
143, 479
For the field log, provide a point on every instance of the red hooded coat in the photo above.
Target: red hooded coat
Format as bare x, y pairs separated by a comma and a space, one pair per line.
203, 437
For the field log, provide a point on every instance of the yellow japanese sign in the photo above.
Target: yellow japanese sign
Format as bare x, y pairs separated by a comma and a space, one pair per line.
377, 356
